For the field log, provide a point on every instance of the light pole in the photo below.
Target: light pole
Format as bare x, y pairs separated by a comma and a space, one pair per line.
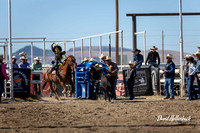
181, 47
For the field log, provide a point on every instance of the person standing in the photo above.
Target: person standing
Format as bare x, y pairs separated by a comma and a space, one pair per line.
191, 78
131, 74
113, 71
153, 57
3, 76
197, 69
169, 73
187, 70
138, 58
23, 63
14, 59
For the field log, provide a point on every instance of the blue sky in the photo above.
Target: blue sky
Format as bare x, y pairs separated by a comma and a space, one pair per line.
70, 19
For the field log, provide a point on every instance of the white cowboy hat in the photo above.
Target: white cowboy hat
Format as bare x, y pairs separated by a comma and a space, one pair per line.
102, 55
23, 58
108, 58
170, 56
22, 54
14, 57
130, 62
37, 58
154, 47
198, 52
92, 59
85, 59
187, 56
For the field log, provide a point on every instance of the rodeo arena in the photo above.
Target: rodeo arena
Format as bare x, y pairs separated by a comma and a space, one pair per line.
80, 90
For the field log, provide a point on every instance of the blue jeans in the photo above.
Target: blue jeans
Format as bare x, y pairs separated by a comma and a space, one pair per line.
115, 83
152, 64
191, 90
198, 82
138, 66
169, 82
1, 88
130, 85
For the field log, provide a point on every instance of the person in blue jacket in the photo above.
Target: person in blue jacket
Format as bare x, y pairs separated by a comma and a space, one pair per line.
169, 73
138, 58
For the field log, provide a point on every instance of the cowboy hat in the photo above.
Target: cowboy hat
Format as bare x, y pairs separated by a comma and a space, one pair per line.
170, 56
85, 59
23, 58
187, 56
108, 58
14, 57
58, 47
130, 62
102, 56
198, 52
137, 50
153, 48
92, 59
37, 58
22, 54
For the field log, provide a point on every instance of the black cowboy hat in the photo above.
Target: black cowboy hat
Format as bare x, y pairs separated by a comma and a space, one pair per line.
191, 58
57, 46
136, 50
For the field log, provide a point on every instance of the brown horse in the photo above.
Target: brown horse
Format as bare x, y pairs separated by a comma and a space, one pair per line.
63, 77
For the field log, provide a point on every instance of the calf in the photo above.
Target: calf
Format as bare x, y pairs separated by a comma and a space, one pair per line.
106, 87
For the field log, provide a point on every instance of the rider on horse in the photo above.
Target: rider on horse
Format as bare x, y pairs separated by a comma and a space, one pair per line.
58, 55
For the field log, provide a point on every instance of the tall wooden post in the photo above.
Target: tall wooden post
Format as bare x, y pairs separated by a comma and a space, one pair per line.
117, 35
134, 31
162, 46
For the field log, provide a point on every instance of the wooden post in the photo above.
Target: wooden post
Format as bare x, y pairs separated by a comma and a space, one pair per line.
117, 36
134, 31
162, 46
109, 45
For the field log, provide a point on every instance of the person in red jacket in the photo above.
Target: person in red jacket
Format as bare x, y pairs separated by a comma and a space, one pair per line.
3, 76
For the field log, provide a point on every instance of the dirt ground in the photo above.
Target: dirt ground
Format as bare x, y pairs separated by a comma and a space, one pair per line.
78, 115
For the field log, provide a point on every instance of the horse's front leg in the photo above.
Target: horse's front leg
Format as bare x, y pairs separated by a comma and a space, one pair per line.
54, 91
64, 87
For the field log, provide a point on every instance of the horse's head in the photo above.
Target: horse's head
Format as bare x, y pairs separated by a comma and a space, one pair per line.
70, 60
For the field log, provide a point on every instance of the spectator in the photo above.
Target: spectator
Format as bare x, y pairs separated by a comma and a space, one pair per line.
191, 78
187, 69
37, 65
131, 74
3, 76
23, 63
103, 58
85, 60
169, 73
138, 58
112, 75
14, 59
152, 57
197, 69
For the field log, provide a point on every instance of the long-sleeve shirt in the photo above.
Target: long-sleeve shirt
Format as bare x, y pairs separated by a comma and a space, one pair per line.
25, 65
37, 66
197, 69
191, 69
15, 65
153, 57
113, 69
131, 74
139, 59
3, 74
170, 69
58, 56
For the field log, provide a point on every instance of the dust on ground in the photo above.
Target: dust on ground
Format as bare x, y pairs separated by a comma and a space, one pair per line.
80, 115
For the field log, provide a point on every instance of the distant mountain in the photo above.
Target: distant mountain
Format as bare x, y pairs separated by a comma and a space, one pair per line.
95, 53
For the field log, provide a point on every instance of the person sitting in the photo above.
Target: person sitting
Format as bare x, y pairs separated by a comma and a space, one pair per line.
3, 76
58, 56
130, 77
113, 74
14, 59
152, 57
23, 63
138, 58
37, 65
